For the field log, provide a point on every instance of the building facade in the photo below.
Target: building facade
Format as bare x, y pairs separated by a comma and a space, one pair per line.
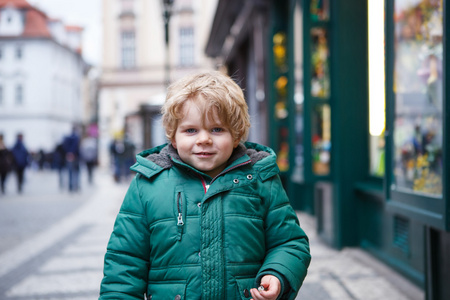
138, 64
41, 76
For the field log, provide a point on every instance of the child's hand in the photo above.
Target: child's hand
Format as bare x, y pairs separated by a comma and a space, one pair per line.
272, 288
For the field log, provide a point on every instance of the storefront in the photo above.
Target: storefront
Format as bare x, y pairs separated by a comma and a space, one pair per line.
351, 96
417, 132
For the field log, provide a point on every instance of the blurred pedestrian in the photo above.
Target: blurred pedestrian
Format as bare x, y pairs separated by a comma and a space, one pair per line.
21, 157
71, 146
41, 158
59, 163
5, 163
129, 155
88, 150
116, 149
123, 152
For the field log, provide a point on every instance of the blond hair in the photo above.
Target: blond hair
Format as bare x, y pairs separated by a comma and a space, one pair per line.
216, 94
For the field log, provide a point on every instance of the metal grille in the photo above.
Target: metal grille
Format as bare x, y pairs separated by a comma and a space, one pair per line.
401, 233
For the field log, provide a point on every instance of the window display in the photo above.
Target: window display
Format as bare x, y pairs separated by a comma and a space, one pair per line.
281, 105
319, 10
320, 75
418, 92
321, 139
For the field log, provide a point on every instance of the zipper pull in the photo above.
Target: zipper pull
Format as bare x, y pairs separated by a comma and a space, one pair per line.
180, 220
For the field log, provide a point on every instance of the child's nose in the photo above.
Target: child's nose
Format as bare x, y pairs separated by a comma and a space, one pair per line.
203, 137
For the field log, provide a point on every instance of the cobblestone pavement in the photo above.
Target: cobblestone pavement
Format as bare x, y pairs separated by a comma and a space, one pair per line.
65, 259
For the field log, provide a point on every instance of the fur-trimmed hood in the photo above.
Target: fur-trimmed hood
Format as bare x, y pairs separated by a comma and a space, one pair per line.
152, 161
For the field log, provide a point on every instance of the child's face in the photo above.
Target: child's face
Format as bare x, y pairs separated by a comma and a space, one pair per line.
206, 147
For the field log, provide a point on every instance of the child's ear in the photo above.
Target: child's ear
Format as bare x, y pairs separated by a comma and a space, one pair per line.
236, 142
174, 144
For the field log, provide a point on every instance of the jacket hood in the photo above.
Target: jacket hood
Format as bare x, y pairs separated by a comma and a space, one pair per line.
152, 161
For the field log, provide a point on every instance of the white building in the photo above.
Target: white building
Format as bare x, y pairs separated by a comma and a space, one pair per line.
41, 76
134, 62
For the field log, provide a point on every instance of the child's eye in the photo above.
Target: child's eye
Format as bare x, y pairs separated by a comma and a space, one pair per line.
191, 130
217, 129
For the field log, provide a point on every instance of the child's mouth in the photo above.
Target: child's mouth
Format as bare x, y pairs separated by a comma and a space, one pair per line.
203, 154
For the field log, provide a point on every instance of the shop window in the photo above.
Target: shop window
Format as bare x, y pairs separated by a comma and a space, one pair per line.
281, 105
418, 89
377, 99
321, 139
320, 74
320, 10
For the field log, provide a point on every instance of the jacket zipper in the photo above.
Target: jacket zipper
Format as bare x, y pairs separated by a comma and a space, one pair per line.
180, 222
180, 210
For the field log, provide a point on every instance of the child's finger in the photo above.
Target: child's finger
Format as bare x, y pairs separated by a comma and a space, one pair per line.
256, 295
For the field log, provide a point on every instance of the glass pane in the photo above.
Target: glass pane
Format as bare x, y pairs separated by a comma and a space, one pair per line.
320, 10
320, 74
418, 97
321, 139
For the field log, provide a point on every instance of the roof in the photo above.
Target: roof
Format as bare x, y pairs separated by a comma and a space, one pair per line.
15, 3
74, 28
36, 24
35, 20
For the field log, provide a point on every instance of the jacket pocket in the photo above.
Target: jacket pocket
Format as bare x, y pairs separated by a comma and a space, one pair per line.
166, 290
244, 285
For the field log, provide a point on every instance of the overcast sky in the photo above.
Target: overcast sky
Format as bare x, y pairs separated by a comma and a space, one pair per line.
84, 13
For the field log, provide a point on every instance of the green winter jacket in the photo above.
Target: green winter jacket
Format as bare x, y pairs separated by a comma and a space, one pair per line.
183, 235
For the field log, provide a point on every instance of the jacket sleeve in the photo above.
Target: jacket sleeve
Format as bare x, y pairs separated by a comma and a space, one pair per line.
287, 246
127, 256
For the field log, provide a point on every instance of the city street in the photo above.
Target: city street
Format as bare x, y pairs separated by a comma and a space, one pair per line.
52, 241
52, 245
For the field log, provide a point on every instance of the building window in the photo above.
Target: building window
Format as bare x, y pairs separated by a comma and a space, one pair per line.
19, 94
127, 5
19, 52
128, 49
186, 46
